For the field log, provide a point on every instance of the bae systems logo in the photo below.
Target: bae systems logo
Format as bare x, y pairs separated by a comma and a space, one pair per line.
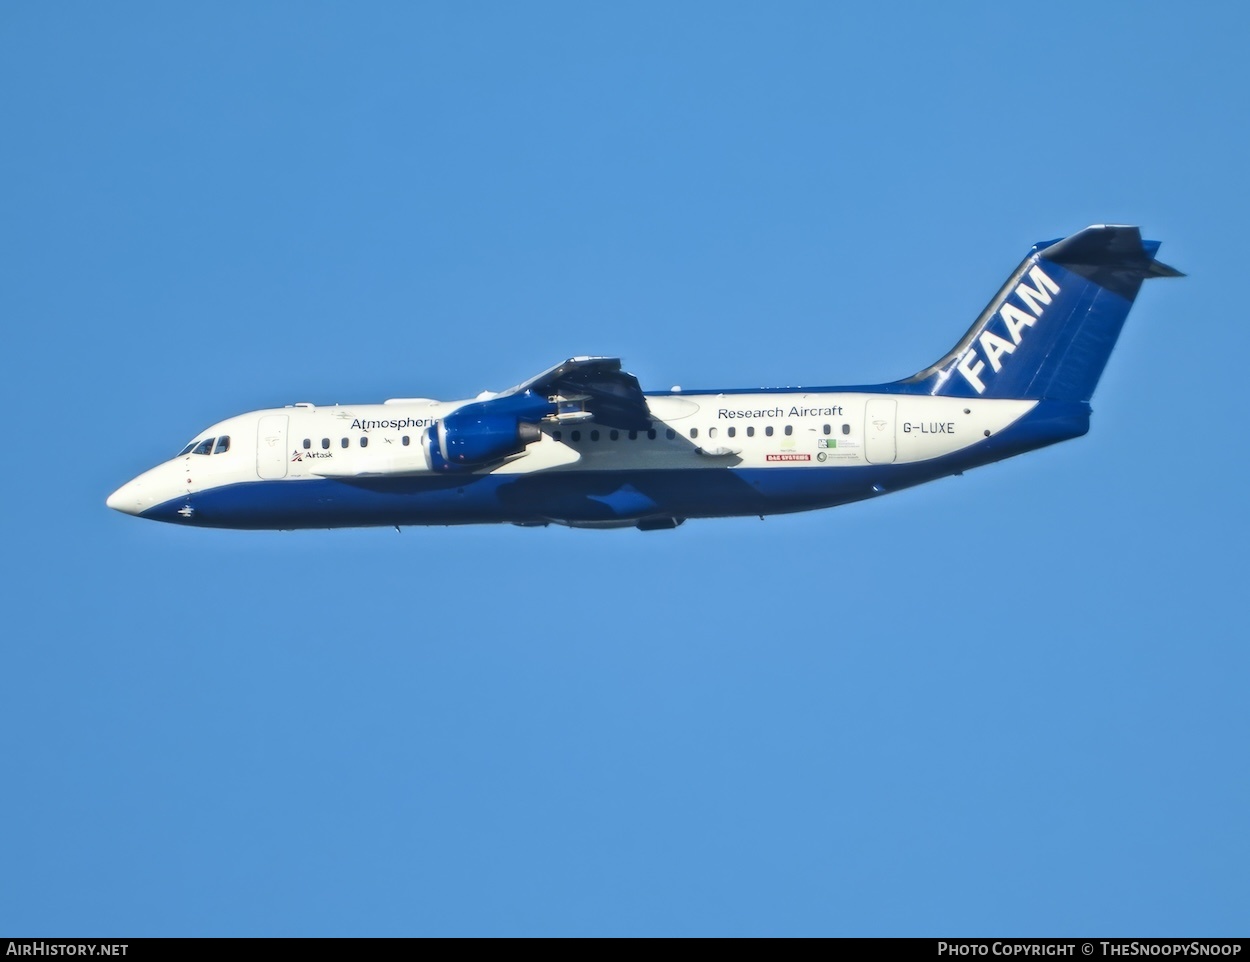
1016, 321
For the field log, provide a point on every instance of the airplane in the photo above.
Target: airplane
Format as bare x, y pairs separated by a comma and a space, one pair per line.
581, 444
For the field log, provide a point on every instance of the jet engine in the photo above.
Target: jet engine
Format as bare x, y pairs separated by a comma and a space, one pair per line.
475, 435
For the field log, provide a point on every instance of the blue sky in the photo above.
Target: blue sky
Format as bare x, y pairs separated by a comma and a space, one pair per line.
1011, 703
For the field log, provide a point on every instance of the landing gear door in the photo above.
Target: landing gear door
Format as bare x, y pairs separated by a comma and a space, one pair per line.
271, 453
879, 419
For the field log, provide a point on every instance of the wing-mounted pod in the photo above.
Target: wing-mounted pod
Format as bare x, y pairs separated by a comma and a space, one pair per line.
571, 409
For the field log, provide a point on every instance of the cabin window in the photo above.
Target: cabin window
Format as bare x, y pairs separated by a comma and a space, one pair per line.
789, 430
557, 435
575, 436
769, 430
186, 450
594, 435
651, 434
846, 429
364, 442
751, 431
614, 435
828, 428
670, 434
732, 431
694, 432
325, 444
223, 445
307, 443
633, 435
405, 440
711, 432
344, 443
204, 447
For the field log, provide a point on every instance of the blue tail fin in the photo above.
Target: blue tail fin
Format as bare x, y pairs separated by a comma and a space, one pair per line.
1049, 331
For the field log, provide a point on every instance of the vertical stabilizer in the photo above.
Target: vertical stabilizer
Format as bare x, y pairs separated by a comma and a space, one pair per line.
1049, 331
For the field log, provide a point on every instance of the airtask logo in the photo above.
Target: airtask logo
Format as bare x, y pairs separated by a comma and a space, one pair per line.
1016, 321
395, 423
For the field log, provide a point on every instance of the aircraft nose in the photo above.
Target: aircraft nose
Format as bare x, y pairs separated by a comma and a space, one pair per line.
127, 499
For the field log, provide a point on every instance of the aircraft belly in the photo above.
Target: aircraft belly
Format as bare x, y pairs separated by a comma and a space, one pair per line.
574, 496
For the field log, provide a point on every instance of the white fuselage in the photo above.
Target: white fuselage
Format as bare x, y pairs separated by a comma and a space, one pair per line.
773, 431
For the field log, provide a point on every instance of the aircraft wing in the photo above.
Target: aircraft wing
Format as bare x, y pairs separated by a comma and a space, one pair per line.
591, 387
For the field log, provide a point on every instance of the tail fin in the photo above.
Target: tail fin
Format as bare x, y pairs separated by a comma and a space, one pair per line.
1049, 331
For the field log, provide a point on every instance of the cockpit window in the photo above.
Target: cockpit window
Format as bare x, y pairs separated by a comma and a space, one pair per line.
223, 444
186, 450
204, 447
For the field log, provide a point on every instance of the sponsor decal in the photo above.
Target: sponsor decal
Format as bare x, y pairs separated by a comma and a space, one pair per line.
296, 455
994, 346
778, 413
787, 457
826, 442
822, 457
395, 423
